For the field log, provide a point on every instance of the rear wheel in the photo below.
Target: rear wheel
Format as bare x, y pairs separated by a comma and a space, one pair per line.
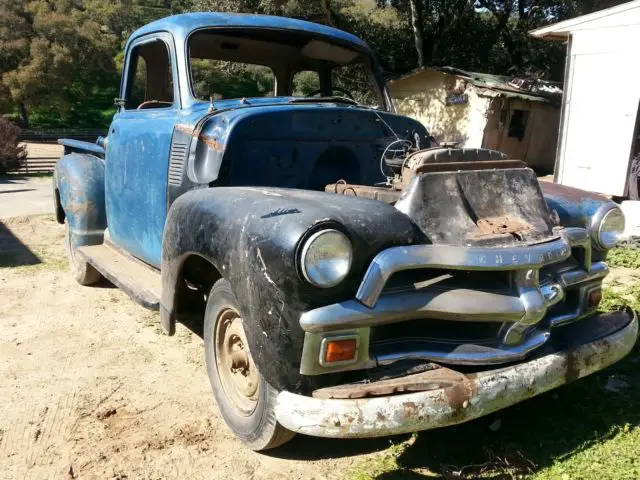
83, 272
245, 399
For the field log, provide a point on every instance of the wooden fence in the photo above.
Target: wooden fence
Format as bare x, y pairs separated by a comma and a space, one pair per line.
43, 150
41, 158
52, 135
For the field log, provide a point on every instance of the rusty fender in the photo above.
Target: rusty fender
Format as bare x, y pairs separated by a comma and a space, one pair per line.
482, 393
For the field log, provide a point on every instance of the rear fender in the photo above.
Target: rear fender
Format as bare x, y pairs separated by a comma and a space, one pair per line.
79, 189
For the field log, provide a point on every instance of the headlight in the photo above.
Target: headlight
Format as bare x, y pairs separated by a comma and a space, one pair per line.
326, 258
610, 229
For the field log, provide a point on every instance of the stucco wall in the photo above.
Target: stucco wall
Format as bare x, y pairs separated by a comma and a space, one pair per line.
422, 96
482, 122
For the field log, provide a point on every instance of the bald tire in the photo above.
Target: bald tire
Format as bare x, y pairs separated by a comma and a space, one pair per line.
259, 430
82, 271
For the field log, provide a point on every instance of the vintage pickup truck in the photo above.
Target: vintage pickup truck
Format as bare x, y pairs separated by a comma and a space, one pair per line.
350, 278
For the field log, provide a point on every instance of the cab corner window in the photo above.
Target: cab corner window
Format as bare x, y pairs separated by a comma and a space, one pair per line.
150, 80
305, 84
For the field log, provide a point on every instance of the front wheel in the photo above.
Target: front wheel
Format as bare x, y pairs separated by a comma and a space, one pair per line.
245, 399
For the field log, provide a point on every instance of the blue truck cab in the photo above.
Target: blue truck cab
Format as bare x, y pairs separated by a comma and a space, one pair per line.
256, 178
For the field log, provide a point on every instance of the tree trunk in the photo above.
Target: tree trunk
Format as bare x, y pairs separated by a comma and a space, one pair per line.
326, 9
24, 116
416, 24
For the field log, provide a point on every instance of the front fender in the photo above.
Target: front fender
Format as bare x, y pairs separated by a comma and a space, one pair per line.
79, 179
576, 208
251, 236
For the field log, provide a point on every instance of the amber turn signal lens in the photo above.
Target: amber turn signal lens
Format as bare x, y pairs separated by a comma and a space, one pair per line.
593, 300
340, 350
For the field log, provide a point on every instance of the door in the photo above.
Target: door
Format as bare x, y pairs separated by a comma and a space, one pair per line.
137, 154
600, 118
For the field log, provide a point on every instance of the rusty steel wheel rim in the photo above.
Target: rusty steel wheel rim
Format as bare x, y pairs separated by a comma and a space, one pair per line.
236, 370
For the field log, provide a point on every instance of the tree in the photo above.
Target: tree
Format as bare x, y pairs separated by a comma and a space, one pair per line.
59, 59
61, 55
11, 151
416, 24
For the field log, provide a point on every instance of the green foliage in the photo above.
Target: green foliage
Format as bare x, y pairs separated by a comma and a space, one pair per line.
624, 257
62, 66
60, 59
617, 296
221, 79
305, 83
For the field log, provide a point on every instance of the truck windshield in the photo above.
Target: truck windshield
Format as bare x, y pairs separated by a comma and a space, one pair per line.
266, 63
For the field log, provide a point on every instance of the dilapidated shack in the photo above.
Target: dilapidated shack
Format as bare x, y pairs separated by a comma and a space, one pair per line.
517, 116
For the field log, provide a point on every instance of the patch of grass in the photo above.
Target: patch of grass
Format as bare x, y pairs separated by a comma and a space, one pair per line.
382, 463
617, 296
624, 257
47, 264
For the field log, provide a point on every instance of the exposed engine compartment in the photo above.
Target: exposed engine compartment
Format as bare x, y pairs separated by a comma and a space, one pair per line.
464, 197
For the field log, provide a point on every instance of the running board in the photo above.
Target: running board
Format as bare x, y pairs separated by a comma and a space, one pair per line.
138, 280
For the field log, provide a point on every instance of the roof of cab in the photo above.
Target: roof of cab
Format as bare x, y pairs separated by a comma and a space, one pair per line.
182, 25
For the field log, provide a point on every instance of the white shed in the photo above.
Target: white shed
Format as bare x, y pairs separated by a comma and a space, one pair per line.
599, 118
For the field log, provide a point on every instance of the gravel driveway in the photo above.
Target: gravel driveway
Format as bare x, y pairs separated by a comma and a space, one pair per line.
21, 195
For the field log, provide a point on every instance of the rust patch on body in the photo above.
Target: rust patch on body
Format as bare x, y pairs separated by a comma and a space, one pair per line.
383, 194
212, 142
209, 141
184, 129
411, 410
440, 378
488, 227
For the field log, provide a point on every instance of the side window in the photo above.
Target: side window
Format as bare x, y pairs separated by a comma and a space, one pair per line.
150, 81
305, 83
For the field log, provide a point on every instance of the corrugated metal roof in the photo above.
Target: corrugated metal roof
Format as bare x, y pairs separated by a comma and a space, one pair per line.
532, 90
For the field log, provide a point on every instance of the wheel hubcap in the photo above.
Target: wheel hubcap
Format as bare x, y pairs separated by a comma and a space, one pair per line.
236, 369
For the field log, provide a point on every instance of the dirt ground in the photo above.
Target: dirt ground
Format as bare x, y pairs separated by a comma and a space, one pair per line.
23, 195
91, 387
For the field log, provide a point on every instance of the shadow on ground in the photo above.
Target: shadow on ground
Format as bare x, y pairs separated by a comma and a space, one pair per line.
13, 252
513, 443
9, 178
19, 190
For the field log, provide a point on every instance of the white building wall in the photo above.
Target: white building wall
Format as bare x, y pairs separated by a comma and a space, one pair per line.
602, 94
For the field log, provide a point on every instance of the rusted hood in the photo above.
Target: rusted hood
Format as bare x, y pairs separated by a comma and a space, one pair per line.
479, 207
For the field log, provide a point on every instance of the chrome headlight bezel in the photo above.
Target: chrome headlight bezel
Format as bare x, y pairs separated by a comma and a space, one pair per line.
603, 237
325, 277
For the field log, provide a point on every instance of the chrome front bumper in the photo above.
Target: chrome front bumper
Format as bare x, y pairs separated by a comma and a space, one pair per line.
522, 309
591, 345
